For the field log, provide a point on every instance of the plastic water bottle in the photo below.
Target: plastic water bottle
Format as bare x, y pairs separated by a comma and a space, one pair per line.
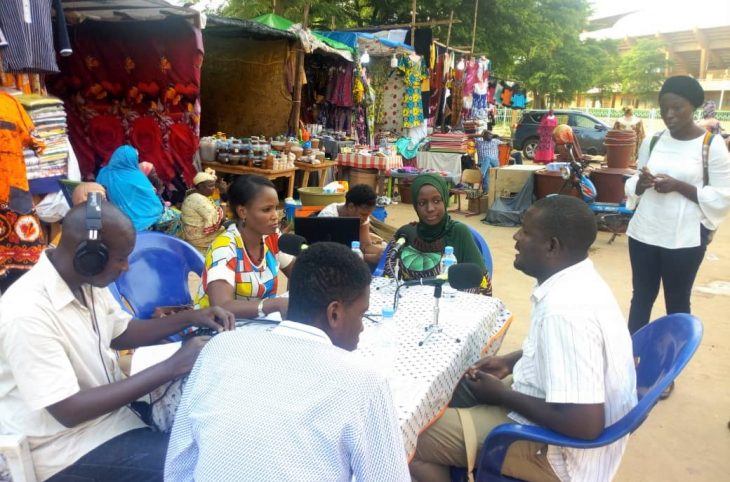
388, 341
356, 249
447, 260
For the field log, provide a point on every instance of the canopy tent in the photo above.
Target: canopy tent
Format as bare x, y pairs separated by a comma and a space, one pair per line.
374, 44
310, 40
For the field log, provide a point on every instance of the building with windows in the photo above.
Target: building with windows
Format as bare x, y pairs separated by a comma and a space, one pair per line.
695, 38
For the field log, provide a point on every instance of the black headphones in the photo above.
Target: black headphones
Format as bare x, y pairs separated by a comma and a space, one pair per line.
91, 255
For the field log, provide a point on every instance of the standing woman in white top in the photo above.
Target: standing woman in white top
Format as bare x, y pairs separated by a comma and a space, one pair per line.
630, 123
674, 204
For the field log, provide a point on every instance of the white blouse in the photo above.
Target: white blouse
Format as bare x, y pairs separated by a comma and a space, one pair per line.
671, 220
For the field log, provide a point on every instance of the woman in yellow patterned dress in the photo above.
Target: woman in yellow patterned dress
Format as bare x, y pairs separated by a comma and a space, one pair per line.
243, 263
201, 217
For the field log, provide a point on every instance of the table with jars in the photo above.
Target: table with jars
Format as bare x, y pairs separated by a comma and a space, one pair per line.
273, 159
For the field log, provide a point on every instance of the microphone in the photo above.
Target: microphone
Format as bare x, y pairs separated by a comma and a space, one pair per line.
402, 241
292, 244
460, 276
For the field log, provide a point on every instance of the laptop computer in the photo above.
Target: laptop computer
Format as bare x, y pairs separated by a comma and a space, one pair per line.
336, 230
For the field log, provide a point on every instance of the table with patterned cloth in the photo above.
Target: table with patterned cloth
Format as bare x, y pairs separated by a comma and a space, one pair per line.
366, 161
422, 378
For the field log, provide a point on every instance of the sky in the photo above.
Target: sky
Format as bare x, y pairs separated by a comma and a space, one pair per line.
653, 16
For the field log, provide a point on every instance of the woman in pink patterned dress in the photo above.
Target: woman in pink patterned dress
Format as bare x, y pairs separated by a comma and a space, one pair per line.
545, 152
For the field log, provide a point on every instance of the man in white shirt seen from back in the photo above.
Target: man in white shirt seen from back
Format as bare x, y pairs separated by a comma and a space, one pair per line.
292, 404
575, 373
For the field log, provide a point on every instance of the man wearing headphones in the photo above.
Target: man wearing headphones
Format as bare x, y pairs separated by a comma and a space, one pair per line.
60, 383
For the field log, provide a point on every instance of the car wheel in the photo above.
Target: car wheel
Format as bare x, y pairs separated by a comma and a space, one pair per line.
529, 148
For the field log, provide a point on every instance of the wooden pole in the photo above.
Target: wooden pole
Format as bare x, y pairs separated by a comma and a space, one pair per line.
442, 102
474, 28
296, 106
413, 24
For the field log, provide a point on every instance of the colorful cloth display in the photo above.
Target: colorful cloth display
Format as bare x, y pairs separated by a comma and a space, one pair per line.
49, 118
415, 74
21, 240
448, 143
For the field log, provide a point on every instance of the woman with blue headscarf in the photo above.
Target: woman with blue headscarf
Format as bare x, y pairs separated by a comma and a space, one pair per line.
129, 189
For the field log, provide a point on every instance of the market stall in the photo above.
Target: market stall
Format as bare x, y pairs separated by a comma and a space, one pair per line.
134, 77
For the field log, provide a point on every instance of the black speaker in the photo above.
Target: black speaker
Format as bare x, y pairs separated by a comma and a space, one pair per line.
91, 255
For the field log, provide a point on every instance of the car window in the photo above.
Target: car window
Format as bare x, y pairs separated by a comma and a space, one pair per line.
585, 122
537, 117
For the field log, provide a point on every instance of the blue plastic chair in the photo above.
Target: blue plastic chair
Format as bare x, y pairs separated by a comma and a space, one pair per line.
481, 244
663, 347
484, 249
158, 273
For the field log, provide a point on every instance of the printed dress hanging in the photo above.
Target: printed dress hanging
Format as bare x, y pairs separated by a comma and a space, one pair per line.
412, 105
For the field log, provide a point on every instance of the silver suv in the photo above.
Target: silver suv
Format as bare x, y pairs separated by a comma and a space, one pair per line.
589, 131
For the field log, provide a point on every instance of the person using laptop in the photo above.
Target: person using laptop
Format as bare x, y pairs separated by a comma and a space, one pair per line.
243, 263
359, 203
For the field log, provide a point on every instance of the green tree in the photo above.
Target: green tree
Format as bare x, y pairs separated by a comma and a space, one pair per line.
642, 68
535, 42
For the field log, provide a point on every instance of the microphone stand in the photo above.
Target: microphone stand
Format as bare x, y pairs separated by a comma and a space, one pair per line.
434, 327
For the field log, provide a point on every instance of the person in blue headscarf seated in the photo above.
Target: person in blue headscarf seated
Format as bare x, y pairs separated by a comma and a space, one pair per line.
131, 191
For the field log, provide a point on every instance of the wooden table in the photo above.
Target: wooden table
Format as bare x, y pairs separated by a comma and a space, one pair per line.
307, 167
267, 173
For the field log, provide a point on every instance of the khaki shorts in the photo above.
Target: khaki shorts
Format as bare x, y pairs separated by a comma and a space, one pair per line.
457, 437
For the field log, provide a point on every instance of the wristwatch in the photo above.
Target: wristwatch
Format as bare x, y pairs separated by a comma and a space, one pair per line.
261, 313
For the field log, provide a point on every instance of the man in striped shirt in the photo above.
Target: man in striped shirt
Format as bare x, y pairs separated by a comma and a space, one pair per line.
488, 155
575, 373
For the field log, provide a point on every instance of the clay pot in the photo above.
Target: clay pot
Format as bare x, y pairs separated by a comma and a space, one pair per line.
550, 182
609, 183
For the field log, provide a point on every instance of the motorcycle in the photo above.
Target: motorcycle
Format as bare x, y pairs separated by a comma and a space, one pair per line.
611, 217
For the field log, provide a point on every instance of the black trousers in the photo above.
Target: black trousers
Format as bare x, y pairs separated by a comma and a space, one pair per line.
134, 456
676, 269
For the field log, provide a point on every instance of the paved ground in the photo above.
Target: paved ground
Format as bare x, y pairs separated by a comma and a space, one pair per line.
686, 437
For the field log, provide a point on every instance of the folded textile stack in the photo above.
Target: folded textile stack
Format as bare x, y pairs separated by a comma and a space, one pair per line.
49, 118
448, 143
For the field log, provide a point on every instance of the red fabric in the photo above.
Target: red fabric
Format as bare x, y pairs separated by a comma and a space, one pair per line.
146, 76
106, 133
146, 136
183, 144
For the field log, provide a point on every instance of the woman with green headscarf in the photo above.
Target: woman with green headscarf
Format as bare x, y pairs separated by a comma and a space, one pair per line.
428, 237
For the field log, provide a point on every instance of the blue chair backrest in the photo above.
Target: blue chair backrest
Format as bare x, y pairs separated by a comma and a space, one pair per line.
481, 244
484, 249
158, 273
663, 347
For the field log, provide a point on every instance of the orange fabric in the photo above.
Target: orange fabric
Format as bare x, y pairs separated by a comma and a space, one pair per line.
15, 133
